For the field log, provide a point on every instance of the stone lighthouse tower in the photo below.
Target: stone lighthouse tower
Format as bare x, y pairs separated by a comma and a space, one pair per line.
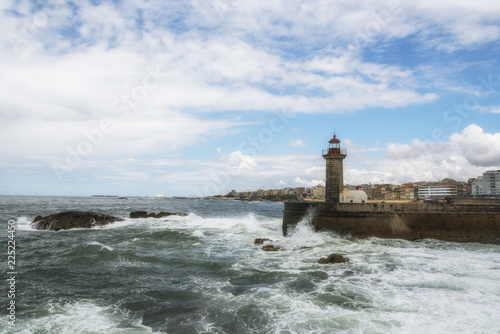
334, 157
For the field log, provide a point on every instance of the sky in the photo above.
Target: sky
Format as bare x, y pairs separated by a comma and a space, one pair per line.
199, 97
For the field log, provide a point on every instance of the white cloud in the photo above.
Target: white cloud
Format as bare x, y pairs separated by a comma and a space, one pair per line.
488, 109
297, 143
417, 150
305, 183
245, 172
204, 74
472, 145
447, 24
458, 24
353, 148
133, 136
281, 183
241, 162
478, 147
466, 154
416, 161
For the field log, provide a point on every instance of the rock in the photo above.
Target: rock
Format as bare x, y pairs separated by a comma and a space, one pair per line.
270, 248
260, 241
139, 214
166, 214
72, 219
144, 214
333, 258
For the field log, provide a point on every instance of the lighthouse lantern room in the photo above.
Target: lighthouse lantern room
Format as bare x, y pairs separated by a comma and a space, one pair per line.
334, 146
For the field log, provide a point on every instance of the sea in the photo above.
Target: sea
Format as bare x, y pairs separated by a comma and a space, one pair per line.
202, 273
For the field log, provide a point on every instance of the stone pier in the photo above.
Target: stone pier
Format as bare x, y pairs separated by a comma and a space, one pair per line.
410, 221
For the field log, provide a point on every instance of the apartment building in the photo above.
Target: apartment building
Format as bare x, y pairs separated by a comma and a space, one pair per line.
437, 191
487, 185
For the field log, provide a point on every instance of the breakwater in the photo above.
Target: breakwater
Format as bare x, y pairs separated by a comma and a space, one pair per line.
410, 221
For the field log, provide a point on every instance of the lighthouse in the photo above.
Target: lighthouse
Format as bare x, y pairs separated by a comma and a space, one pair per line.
334, 184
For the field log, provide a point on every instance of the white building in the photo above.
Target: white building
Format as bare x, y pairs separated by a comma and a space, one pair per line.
439, 191
487, 185
353, 196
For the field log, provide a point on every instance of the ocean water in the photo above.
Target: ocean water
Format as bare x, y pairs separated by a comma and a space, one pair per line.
203, 274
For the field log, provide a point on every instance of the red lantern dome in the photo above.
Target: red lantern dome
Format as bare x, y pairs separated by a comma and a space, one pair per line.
334, 145
334, 140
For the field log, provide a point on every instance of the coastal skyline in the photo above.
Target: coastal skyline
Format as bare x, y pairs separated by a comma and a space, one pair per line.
197, 98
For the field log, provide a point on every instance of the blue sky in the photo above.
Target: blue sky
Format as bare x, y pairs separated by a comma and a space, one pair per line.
188, 98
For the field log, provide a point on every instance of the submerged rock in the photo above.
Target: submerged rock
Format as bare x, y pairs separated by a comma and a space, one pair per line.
72, 219
333, 258
271, 248
268, 247
144, 214
260, 241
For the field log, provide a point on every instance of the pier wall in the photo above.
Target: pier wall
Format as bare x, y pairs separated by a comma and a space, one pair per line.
450, 222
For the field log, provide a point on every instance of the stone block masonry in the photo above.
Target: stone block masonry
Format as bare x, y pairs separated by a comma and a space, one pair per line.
410, 221
334, 177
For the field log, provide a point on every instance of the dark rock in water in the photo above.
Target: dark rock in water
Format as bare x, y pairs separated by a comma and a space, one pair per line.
260, 241
333, 258
270, 248
166, 214
144, 214
72, 219
139, 214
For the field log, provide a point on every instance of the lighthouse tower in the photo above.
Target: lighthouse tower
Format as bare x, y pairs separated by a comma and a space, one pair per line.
334, 157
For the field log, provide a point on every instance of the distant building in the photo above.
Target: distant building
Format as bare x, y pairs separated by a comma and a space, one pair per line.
487, 185
463, 188
448, 180
406, 192
319, 192
438, 191
377, 194
374, 193
233, 193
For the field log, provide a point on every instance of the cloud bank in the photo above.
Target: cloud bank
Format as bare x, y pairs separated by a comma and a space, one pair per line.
165, 77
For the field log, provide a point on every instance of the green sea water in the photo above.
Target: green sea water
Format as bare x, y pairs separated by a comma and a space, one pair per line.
202, 274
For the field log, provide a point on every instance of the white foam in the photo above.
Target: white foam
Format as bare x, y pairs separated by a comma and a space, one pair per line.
119, 224
198, 233
389, 286
23, 224
82, 317
102, 246
235, 229
303, 235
